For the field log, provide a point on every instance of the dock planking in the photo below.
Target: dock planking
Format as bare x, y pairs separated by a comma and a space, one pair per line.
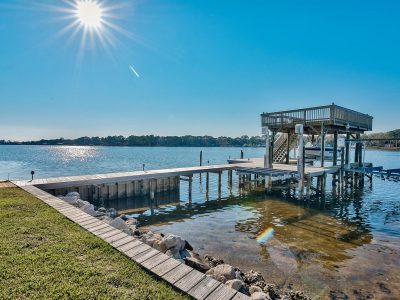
181, 276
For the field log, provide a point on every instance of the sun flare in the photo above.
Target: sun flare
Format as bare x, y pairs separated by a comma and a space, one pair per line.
89, 13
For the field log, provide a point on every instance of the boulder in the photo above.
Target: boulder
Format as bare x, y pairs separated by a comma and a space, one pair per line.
73, 194
222, 273
260, 296
80, 203
173, 241
235, 284
131, 221
160, 246
196, 264
89, 209
111, 212
69, 199
105, 219
213, 261
174, 254
102, 209
118, 223
150, 238
188, 246
253, 289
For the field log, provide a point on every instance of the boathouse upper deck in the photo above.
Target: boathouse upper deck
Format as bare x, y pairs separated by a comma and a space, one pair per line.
332, 118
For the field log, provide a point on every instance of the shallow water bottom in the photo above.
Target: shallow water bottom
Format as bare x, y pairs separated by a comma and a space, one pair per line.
309, 250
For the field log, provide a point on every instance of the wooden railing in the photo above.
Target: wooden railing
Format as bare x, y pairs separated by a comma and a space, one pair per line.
322, 115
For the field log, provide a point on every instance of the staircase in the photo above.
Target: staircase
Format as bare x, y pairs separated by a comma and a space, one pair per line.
280, 146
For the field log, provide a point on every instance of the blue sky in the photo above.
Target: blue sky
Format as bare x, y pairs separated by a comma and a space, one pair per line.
206, 67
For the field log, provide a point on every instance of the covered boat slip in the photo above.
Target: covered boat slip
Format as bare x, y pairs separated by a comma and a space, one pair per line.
320, 121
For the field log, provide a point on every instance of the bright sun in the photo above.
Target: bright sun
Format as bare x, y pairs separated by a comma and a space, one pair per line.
89, 13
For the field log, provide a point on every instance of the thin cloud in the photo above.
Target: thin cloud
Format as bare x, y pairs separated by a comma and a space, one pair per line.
134, 71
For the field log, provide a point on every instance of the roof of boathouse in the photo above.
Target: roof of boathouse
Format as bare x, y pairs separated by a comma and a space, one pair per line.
330, 117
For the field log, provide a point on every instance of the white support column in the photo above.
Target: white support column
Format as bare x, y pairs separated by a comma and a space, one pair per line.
267, 157
300, 158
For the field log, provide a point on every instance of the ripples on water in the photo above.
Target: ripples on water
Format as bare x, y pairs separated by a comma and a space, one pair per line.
339, 245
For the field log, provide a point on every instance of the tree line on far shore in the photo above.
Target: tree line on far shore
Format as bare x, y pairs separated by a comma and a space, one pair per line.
151, 141
186, 141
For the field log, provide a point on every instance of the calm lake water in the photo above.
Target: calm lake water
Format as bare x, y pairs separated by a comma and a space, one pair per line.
340, 246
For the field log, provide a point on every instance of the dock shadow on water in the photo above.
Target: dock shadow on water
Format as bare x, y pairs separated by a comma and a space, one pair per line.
334, 246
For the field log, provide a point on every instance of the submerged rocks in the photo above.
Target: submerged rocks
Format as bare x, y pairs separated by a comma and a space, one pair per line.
213, 261
222, 273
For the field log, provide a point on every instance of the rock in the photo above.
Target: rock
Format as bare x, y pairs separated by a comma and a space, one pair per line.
272, 291
222, 273
188, 246
253, 289
160, 246
131, 221
102, 209
174, 254
105, 219
235, 284
80, 203
111, 212
213, 261
118, 223
89, 209
123, 217
254, 278
197, 264
173, 241
99, 214
260, 296
149, 238
73, 194
69, 199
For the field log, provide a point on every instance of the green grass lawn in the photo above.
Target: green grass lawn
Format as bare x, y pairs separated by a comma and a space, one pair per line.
43, 255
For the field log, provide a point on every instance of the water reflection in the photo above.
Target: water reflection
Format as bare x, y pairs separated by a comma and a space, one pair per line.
73, 153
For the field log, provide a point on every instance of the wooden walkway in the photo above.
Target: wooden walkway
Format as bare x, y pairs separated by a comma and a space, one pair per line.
70, 181
180, 276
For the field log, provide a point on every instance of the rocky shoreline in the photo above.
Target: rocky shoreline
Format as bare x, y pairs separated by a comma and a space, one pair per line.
250, 283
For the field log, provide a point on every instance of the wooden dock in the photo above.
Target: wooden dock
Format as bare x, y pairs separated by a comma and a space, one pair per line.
179, 275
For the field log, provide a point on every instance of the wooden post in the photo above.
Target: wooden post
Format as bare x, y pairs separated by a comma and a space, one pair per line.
347, 160
241, 154
288, 148
230, 180
271, 152
219, 184
201, 157
322, 146
335, 147
190, 186
267, 156
207, 181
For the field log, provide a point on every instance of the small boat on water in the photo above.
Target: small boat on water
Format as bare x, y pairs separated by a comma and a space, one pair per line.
315, 152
